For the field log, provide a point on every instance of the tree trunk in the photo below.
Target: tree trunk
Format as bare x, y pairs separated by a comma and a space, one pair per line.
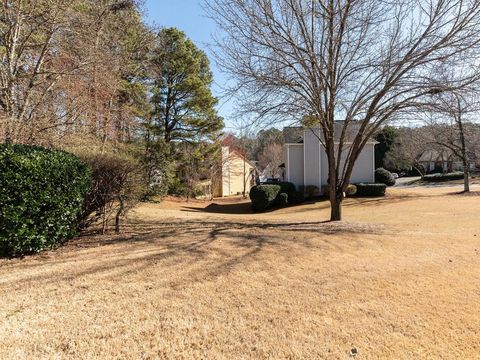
104, 221
119, 214
465, 160
466, 178
336, 207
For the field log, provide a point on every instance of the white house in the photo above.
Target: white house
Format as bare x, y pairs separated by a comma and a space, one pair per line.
306, 161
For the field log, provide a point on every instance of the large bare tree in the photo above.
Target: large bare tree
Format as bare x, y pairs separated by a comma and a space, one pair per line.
360, 61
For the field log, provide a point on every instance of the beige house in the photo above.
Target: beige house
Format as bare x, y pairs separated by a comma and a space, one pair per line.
306, 161
237, 174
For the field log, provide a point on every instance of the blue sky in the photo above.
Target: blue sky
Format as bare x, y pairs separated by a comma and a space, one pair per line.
188, 16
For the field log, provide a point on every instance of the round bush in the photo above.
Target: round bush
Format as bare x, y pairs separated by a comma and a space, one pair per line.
296, 197
282, 199
351, 190
383, 176
41, 193
263, 196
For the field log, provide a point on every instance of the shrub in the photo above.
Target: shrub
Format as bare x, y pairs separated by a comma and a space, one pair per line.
282, 199
117, 184
443, 177
41, 194
263, 196
351, 190
286, 187
296, 197
364, 189
383, 176
311, 191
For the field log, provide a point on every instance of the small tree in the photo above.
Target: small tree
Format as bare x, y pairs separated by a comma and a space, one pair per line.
386, 138
117, 185
271, 158
407, 149
451, 127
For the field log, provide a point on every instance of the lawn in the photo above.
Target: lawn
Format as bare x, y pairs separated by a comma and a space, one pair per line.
400, 279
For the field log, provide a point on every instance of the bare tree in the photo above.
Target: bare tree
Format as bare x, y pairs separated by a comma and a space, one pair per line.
407, 150
362, 61
270, 159
68, 65
451, 127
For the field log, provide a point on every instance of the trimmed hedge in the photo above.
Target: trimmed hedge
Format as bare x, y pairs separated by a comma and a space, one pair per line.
296, 197
282, 199
285, 186
41, 194
365, 189
351, 190
274, 194
263, 196
383, 176
443, 177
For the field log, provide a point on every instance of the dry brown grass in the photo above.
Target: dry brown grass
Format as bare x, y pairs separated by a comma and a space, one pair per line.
400, 280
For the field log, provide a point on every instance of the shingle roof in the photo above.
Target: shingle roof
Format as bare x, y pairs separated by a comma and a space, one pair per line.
294, 135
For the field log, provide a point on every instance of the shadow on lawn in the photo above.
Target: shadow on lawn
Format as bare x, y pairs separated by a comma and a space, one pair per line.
197, 250
245, 208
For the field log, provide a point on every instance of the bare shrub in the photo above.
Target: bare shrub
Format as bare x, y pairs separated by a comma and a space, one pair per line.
117, 185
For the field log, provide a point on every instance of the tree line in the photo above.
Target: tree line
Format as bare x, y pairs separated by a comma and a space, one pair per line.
90, 76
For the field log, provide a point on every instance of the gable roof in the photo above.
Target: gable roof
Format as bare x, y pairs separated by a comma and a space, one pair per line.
294, 135
239, 154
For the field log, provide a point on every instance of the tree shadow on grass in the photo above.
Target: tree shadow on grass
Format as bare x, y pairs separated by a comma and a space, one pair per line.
200, 250
245, 208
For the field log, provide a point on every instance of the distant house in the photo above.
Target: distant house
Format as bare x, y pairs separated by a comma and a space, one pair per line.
237, 174
438, 161
306, 162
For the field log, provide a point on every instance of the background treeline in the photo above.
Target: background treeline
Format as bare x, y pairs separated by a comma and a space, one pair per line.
90, 77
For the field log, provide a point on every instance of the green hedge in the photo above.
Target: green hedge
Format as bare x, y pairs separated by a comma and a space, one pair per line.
383, 176
41, 193
443, 177
275, 194
263, 196
364, 189
296, 197
351, 190
282, 199
286, 187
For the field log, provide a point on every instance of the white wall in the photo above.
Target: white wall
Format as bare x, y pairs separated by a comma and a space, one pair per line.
313, 169
364, 169
312, 158
295, 164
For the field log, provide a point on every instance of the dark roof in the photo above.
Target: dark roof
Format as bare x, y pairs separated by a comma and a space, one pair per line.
294, 135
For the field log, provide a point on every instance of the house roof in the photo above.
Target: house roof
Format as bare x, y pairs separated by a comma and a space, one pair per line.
294, 135
442, 155
237, 153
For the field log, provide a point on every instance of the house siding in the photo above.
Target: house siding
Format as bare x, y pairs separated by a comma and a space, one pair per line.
312, 159
307, 163
295, 163
233, 175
